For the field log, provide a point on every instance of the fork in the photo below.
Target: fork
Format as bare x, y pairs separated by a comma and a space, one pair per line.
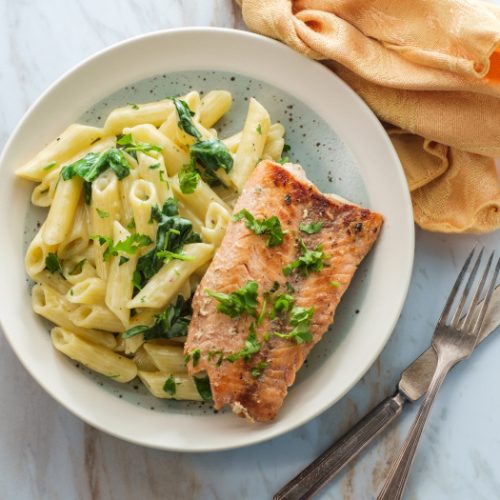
453, 341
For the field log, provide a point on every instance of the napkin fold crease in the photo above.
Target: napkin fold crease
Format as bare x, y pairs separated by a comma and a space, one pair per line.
430, 70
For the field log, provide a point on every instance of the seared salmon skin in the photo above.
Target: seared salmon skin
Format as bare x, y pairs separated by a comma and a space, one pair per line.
263, 304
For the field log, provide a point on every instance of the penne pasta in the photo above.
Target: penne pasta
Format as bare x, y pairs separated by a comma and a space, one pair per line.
143, 199
251, 146
62, 211
166, 283
96, 357
54, 307
77, 239
273, 149
89, 291
95, 316
185, 388
166, 358
104, 209
153, 170
213, 106
216, 221
70, 142
36, 255
119, 285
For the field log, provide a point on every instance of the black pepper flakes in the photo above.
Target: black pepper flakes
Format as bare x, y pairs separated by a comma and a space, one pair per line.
358, 227
288, 199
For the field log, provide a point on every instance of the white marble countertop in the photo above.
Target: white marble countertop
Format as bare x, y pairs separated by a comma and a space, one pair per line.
47, 453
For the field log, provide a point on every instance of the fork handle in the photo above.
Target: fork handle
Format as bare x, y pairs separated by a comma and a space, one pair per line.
335, 458
398, 474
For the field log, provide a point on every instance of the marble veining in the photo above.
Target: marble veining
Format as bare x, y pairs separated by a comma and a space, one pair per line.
47, 453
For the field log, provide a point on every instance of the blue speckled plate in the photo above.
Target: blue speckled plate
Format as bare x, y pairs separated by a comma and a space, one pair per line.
332, 134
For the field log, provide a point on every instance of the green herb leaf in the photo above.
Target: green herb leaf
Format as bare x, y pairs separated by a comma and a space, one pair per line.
136, 280
133, 105
258, 369
252, 346
283, 160
171, 323
102, 213
154, 166
216, 354
195, 356
189, 178
129, 245
286, 148
77, 268
127, 143
309, 260
335, 284
238, 302
168, 256
312, 228
185, 118
131, 224
203, 387
283, 303
94, 164
259, 129
52, 263
300, 319
169, 386
50, 166
212, 155
270, 227
172, 234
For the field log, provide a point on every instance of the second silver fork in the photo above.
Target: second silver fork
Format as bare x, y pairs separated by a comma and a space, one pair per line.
453, 341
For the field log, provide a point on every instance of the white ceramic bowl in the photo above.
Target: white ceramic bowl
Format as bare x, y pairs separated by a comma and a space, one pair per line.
379, 295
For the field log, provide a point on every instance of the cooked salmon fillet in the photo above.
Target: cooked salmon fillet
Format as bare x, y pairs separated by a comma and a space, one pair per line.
256, 385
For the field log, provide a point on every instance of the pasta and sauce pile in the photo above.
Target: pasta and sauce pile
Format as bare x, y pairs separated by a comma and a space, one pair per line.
136, 210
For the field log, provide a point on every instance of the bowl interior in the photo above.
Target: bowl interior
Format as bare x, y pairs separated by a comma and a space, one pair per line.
331, 133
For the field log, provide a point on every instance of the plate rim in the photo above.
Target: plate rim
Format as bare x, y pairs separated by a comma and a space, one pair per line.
251, 438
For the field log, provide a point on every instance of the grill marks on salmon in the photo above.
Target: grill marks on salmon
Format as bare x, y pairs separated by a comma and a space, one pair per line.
347, 234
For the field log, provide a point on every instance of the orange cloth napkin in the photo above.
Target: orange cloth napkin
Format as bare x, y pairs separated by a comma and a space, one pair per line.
430, 70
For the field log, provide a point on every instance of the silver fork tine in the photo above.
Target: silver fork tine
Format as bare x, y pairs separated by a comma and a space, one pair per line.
454, 290
456, 318
487, 299
469, 318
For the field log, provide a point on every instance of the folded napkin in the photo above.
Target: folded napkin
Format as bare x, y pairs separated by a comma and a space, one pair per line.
430, 70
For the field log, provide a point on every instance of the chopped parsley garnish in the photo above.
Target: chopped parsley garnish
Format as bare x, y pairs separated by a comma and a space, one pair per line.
77, 268
283, 160
102, 213
123, 260
133, 105
52, 263
335, 284
203, 387
212, 155
286, 148
308, 261
283, 303
154, 166
129, 245
289, 287
169, 386
270, 227
94, 164
50, 166
262, 313
171, 323
167, 256
252, 346
195, 355
311, 228
185, 118
258, 369
127, 143
259, 129
172, 234
242, 301
300, 319
189, 177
